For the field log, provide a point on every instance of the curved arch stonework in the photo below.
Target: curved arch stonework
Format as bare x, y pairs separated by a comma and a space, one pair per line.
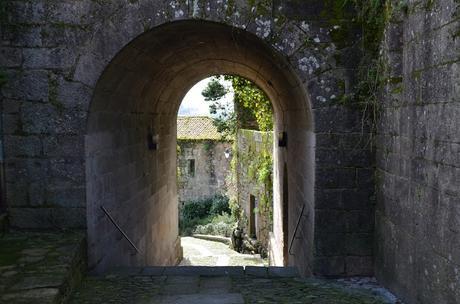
104, 75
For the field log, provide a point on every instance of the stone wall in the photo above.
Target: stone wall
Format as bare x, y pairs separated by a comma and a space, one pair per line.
126, 65
136, 185
418, 155
253, 147
212, 169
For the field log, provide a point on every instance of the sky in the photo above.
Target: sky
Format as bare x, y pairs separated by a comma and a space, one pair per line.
194, 104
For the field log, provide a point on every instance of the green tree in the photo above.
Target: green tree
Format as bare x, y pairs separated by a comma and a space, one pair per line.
251, 100
251, 110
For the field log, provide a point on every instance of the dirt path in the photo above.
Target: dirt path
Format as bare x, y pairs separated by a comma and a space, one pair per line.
199, 252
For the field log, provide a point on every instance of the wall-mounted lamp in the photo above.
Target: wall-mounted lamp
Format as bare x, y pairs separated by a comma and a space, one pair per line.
282, 139
152, 141
227, 153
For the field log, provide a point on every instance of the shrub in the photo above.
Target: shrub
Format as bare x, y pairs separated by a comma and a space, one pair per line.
196, 209
220, 205
220, 225
214, 211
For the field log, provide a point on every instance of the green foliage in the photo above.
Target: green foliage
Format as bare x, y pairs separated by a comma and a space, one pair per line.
259, 165
209, 145
220, 205
222, 225
214, 91
263, 162
371, 16
253, 100
224, 117
202, 212
252, 108
196, 209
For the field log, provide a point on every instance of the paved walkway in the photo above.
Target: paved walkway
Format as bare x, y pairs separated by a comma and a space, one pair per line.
198, 252
216, 285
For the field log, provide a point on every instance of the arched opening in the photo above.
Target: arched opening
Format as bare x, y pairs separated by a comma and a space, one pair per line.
225, 126
131, 142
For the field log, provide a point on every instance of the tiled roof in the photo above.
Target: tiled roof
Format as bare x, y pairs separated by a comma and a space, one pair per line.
196, 127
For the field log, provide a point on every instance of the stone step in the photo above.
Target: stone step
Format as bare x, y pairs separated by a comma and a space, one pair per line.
217, 271
226, 298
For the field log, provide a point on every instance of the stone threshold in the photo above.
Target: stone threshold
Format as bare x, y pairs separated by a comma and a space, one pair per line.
218, 271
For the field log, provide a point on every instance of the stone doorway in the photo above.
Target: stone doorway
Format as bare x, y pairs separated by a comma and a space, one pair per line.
131, 144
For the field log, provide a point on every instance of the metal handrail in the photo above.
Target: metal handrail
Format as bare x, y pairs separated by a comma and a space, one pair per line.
296, 228
119, 228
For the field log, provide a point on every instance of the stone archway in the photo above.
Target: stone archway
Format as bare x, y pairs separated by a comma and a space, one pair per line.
85, 80
138, 96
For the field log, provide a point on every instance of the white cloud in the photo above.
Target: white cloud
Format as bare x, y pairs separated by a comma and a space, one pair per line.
194, 104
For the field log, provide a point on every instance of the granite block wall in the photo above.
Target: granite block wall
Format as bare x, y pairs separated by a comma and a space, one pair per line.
418, 175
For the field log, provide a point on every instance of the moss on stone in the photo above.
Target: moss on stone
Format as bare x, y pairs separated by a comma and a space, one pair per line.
53, 93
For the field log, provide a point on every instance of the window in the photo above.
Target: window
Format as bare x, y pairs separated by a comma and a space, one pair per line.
191, 167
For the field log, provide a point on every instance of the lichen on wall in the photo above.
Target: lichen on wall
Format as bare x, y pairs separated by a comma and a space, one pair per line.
210, 165
253, 171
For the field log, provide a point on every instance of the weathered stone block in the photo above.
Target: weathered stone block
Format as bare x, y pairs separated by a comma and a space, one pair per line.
30, 85
360, 221
26, 169
328, 199
46, 218
361, 199
36, 193
338, 119
10, 57
22, 35
11, 124
10, 106
63, 146
330, 221
46, 118
67, 169
16, 194
73, 95
17, 146
41, 58
394, 36
333, 266
26, 12
359, 244
71, 12
66, 196
330, 244
335, 178
359, 266
343, 158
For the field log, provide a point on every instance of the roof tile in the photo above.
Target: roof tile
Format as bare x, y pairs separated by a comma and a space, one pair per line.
196, 127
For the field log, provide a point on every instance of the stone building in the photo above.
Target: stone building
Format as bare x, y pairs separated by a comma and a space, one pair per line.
254, 183
203, 159
89, 115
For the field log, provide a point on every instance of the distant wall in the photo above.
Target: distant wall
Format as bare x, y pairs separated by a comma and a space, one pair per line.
252, 146
211, 168
418, 156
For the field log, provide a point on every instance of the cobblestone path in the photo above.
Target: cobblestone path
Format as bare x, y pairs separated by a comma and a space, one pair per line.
217, 285
198, 252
